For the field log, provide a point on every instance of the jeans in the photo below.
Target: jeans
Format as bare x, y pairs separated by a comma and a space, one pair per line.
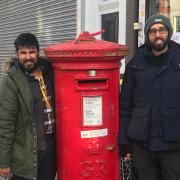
156, 165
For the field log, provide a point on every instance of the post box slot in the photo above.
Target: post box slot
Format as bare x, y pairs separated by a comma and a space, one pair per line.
86, 84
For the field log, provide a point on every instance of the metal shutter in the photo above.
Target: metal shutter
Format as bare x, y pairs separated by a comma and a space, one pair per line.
51, 21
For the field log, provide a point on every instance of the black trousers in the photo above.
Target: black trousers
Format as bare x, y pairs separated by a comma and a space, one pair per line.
151, 165
46, 166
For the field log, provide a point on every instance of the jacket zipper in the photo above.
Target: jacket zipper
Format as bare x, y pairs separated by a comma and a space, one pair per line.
35, 151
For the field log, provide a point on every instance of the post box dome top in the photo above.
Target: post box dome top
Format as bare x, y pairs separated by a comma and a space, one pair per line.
86, 45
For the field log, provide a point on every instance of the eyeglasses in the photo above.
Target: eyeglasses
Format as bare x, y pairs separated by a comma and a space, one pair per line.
161, 30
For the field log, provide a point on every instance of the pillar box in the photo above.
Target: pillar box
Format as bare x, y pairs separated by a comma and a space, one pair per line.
87, 88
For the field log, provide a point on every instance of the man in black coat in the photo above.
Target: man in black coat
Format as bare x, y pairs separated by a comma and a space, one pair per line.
150, 104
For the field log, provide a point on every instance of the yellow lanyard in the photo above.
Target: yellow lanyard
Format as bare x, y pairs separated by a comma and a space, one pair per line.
43, 88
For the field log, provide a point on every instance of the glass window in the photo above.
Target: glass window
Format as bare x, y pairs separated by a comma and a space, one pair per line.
157, 7
176, 23
169, 8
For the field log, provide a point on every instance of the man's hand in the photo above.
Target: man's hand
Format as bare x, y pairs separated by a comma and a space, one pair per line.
127, 157
5, 172
125, 152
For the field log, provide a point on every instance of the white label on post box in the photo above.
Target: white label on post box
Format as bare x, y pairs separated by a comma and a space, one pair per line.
94, 133
92, 111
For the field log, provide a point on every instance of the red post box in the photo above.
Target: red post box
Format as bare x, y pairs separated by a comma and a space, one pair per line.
86, 91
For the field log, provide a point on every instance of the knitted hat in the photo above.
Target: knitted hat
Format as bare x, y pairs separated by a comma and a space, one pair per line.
158, 19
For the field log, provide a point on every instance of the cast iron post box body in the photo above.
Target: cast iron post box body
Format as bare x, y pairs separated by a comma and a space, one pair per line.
87, 101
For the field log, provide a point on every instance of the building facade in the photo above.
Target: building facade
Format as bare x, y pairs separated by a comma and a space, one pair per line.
104, 14
55, 21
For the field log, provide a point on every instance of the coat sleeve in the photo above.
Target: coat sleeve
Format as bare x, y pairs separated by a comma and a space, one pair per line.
8, 112
126, 95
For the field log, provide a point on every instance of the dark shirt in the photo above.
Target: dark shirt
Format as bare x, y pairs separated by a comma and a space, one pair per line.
39, 110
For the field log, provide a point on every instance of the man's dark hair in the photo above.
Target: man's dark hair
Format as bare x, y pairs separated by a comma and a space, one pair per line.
26, 40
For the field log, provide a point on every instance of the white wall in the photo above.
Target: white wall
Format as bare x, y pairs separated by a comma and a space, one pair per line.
92, 16
89, 17
122, 28
80, 13
92, 11
142, 4
122, 21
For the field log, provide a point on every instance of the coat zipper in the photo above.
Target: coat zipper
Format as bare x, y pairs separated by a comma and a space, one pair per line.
35, 151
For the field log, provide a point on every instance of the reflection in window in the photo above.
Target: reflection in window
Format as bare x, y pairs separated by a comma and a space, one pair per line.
158, 7
175, 14
164, 7
176, 23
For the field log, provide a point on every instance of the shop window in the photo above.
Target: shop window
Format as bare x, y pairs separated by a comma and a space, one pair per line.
157, 7
176, 23
168, 8
164, 7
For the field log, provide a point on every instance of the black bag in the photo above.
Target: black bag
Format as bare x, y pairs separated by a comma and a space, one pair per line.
127, 169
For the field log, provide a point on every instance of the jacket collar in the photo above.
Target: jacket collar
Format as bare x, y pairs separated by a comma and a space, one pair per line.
144, 55
23, 86
21, 81
174, 55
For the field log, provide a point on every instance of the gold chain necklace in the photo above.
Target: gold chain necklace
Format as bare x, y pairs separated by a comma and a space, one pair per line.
38, 75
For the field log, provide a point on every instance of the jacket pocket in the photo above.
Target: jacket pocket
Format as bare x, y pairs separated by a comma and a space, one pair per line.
138, 129
171, 124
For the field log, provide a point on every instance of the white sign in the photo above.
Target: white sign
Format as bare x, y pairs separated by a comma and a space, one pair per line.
92, 110
94, 133
176, 37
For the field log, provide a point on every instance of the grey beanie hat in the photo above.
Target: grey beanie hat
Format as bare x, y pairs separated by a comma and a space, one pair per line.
158, 19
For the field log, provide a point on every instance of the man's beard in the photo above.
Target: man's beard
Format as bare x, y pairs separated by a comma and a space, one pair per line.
158, 47
27, 68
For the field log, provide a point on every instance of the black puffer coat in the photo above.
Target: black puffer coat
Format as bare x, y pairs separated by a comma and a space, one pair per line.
150, 98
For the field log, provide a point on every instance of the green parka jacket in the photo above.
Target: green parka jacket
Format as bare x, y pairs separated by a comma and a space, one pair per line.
17, 129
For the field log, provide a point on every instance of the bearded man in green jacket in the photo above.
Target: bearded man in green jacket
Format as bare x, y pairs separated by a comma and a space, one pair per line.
27, 142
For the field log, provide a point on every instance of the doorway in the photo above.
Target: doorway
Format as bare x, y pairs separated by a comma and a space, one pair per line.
110, 22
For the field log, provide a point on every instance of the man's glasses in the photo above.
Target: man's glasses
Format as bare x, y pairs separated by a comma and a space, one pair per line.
161, 30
